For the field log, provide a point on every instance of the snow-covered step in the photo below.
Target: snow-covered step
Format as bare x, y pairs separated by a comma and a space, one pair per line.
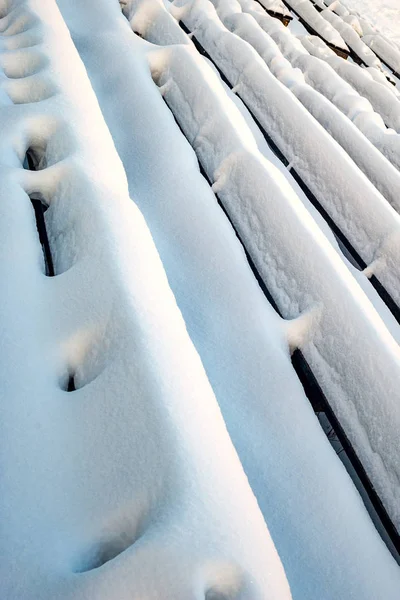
370, 83
276, 9
360, 52
271, 104
378, 170
384, 50
247, 207
317, 25
387, 141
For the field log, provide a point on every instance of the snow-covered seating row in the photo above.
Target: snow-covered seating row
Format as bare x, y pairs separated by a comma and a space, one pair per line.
382, 98
149, 17
360, 51
225, 159
321, 77
337, 7
384, 176
308, 148
277, 9
288, 43
316, 24
317, 47
129, 486
267, 215
353, 21
372, 125
384, 50
370, 83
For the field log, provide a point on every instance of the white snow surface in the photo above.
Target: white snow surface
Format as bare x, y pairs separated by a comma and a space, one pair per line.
188, 464
312, 17
352, 39
351, 201
336, 7
369, 86
382, 15
322, 79
384, 49
275, 6
128, 487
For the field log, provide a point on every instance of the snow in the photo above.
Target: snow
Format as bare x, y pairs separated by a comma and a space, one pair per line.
352, 207
303, 141
352, 39
275, 6
324, 80
316, 46
337, 7
379, 171
311, 16
355, 23
382, 15
335, 87
384, 50
148, 16
122, 488
188, 464
382, 97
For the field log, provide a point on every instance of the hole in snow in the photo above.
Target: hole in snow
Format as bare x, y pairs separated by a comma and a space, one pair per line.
71, 384
87, 353
68, 384
228, 582
35, 158
40, 207
102, 553
6, 8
